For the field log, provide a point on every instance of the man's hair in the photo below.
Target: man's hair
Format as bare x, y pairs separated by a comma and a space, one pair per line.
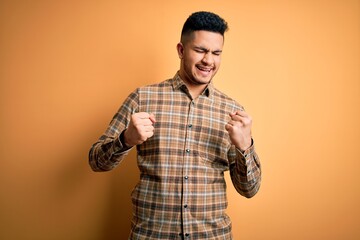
206, 21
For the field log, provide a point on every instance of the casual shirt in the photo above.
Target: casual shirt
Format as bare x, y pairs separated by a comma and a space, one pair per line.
182, 191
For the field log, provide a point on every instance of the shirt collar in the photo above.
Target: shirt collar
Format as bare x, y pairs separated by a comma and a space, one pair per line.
178, 83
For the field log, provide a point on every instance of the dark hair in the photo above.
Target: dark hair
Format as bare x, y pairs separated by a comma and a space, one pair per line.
202, 20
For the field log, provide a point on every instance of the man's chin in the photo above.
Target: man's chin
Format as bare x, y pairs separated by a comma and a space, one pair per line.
204, 80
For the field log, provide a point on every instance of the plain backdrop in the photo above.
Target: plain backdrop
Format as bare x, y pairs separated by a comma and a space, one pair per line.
66, 67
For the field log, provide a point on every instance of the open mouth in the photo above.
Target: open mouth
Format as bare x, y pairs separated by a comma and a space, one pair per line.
204, 69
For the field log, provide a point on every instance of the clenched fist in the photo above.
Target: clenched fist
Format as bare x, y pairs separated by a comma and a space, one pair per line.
140, 128
239, 129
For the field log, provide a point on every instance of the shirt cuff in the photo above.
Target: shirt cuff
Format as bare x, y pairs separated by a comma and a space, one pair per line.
246, 155
119, 144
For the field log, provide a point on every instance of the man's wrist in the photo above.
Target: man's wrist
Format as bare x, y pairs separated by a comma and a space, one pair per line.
243, 150
123, 141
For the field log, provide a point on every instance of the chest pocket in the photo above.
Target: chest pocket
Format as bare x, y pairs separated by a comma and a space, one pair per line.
213, 145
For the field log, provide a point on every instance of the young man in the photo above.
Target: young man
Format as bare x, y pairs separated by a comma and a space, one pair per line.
187, 133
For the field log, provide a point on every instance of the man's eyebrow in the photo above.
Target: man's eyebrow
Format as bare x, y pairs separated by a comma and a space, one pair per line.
201, 48
207, 50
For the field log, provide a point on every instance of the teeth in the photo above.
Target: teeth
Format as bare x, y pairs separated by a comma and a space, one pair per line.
204, 69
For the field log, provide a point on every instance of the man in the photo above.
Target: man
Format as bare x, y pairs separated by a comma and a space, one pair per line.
187, 133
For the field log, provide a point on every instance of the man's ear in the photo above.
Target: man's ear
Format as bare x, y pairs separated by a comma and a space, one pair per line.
180, 50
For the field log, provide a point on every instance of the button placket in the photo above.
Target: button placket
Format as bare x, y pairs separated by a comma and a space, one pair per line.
188, 156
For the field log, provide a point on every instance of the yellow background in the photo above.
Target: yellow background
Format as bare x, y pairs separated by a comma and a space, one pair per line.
66, 66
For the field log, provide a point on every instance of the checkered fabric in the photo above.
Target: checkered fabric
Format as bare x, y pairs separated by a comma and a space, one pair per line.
182, 191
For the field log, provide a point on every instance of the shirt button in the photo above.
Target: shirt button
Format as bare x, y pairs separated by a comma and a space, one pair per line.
190, 125
187, 150
187, 235
186, 177
185, 206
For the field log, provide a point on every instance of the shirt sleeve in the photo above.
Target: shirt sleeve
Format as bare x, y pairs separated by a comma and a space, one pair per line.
109, 150
245, 171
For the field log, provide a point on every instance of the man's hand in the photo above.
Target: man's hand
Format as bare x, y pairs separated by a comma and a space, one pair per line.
239, 129
140, 128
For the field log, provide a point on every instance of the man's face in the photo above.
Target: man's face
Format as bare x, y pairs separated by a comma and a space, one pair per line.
200, 57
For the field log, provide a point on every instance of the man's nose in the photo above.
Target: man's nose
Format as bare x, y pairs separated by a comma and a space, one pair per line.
208, 59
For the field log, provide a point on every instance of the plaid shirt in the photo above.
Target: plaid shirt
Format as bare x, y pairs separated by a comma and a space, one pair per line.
182, 191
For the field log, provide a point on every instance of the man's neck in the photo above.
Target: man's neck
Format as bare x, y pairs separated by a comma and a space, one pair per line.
195, 90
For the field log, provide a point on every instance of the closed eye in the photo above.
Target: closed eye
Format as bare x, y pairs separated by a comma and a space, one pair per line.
204, 50
201, 50
217, 53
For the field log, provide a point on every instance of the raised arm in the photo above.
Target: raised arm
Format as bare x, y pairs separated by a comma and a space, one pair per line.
245, 168
110, 149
